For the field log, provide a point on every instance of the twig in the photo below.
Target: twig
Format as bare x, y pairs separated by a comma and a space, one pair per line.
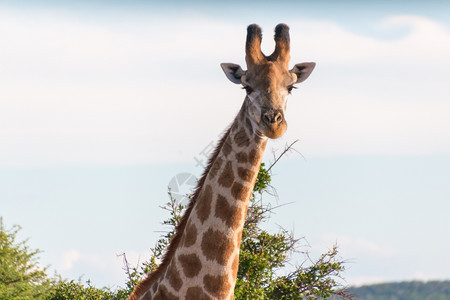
286, 149
126, 268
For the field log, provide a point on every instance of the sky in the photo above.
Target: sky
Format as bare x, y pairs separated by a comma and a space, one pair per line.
103, 103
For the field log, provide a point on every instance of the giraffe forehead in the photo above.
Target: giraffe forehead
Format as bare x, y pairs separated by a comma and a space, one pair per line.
269, 76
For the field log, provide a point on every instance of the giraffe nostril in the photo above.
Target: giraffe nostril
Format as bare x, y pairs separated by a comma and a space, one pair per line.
267, 119
271, 117
278, 118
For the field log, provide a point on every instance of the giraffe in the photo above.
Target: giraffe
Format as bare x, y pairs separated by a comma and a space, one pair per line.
201, 261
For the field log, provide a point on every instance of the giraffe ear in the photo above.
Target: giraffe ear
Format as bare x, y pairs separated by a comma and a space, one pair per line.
302, 71
233, 72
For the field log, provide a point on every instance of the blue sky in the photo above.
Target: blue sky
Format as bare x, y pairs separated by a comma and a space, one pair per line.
102, 103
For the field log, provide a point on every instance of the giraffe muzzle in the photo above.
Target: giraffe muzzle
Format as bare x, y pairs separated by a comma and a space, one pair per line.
272, 117
273, 123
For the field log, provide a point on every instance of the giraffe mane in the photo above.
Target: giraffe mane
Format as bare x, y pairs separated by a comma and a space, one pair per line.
146, 283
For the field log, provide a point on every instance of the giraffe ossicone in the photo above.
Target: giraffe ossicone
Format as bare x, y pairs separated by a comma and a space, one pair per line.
202, 259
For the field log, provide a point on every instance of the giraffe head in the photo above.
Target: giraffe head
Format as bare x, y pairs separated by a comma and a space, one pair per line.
267, 80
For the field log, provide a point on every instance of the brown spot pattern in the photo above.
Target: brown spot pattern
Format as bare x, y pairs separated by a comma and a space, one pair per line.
254, 156
196, 293
241, 139
217, 246
242, 115
215, 167
173, 275
241, 157
203, 205
226, 148
231, 215
245, 174
226, 179
190, 235
239, 191
164, 294
191, 264
218, 286
147, 296
157, 296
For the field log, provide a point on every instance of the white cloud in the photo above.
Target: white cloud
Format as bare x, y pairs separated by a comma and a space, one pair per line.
330, 43
387, 277
100, 92
365, 280
375, 96
368, 125
366, 261
46, 45
356, 248
69, 259
104, 269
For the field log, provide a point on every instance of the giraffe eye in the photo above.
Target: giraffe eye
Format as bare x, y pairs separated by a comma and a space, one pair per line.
290, 88
248, 89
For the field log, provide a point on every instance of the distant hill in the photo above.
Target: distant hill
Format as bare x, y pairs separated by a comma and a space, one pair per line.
412, 290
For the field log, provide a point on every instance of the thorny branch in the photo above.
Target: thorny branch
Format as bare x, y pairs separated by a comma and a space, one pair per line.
126, 267
287, 148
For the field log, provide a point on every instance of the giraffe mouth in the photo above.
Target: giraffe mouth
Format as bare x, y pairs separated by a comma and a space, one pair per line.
274, 131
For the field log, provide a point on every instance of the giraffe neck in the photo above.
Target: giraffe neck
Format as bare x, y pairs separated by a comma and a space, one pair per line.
204, 258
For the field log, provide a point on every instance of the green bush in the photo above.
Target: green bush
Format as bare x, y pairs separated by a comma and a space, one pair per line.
20, 275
